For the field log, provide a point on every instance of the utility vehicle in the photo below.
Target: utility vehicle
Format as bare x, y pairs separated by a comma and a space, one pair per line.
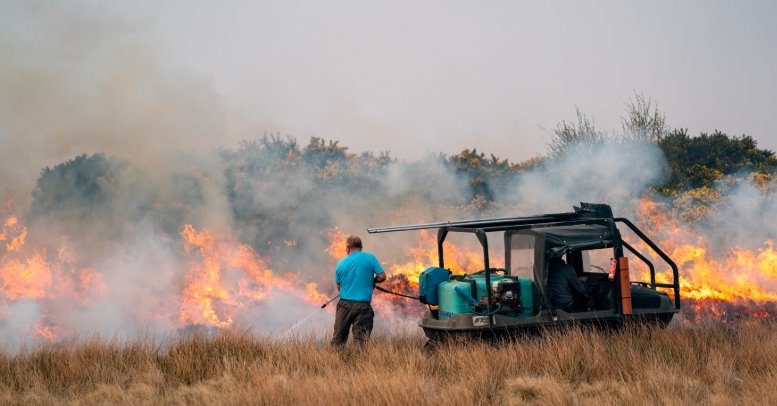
498, 302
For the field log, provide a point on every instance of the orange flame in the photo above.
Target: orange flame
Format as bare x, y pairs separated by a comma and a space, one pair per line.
403, 273
31, 278
12, 227
458, 259
44, 328
736, 276
31, 273
225, 276
337, 239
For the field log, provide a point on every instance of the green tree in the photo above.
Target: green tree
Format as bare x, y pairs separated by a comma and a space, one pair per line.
701, 161
486, 175
79, 187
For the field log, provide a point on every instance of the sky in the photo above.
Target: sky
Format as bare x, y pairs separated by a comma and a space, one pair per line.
145, 77
415, 77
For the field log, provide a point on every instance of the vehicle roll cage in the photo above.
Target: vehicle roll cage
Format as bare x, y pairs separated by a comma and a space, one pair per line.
587, 214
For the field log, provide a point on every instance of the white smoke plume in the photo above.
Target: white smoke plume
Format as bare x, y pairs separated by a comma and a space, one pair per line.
77, 80
613, 173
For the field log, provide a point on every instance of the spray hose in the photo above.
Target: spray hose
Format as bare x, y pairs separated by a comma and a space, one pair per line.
384, 290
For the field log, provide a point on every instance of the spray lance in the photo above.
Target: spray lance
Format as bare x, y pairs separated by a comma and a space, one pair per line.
329, 301
374, 285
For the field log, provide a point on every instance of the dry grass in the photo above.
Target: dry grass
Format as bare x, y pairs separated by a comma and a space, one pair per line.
714, 365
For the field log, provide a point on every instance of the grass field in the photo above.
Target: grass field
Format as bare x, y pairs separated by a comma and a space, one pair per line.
710, 364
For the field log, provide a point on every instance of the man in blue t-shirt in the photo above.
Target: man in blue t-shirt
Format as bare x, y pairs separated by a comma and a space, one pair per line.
355, 277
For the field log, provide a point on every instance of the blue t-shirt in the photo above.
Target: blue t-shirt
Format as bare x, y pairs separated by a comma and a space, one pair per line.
354, 274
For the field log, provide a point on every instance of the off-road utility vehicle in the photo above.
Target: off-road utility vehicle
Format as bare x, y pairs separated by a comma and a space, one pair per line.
496, 302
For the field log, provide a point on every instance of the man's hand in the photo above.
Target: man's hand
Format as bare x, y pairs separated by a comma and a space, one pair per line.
381, 277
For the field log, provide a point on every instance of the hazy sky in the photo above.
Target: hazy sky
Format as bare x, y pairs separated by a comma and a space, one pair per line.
438, 76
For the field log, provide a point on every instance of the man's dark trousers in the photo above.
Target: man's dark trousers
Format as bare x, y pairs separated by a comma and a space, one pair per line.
351, 313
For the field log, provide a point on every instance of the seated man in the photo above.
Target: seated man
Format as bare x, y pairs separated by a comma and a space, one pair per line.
566, 291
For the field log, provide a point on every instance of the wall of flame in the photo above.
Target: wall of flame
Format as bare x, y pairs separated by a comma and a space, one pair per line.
222, 281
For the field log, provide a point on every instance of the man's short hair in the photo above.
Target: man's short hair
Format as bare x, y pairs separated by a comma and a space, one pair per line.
353, 242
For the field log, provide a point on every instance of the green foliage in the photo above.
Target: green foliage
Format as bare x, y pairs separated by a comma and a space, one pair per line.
485, 175
701, 161
318, 153
78, 187
274, 185
695, 162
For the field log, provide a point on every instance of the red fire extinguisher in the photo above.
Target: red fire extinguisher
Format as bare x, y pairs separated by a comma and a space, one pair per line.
613, 264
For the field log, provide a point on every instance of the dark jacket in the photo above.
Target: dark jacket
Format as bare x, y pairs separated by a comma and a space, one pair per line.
561, 281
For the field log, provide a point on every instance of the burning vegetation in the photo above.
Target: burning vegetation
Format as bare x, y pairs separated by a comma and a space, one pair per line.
222, 279
730, 286
248, 237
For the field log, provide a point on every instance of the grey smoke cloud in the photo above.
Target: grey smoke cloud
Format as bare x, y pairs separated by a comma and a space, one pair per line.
745, 217
615, 173
79, 80
143, 268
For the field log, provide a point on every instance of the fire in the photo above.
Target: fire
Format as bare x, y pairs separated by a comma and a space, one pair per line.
224, 280
45, 328
741, 274
314, 294
458, 259
15, 233
337, 239
29, 278
32, 273
403, 273
224, 276
713, 284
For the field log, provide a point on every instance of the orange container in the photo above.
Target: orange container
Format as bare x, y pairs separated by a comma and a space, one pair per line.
623, 265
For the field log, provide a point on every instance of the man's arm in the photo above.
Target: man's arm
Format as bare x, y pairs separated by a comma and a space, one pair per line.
576, 284
380, 275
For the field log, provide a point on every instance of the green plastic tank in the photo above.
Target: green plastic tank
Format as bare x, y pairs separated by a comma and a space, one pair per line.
453, 302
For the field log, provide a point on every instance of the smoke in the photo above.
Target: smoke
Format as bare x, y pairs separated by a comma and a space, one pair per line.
612, 173
283, 200
744, 217
78, 80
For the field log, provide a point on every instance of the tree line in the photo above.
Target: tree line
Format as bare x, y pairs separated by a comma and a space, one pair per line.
274, 186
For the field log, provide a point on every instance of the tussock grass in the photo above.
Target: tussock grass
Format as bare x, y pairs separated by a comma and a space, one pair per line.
710, 364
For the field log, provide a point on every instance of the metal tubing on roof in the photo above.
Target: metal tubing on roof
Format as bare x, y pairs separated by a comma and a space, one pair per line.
601, 221
491, 222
